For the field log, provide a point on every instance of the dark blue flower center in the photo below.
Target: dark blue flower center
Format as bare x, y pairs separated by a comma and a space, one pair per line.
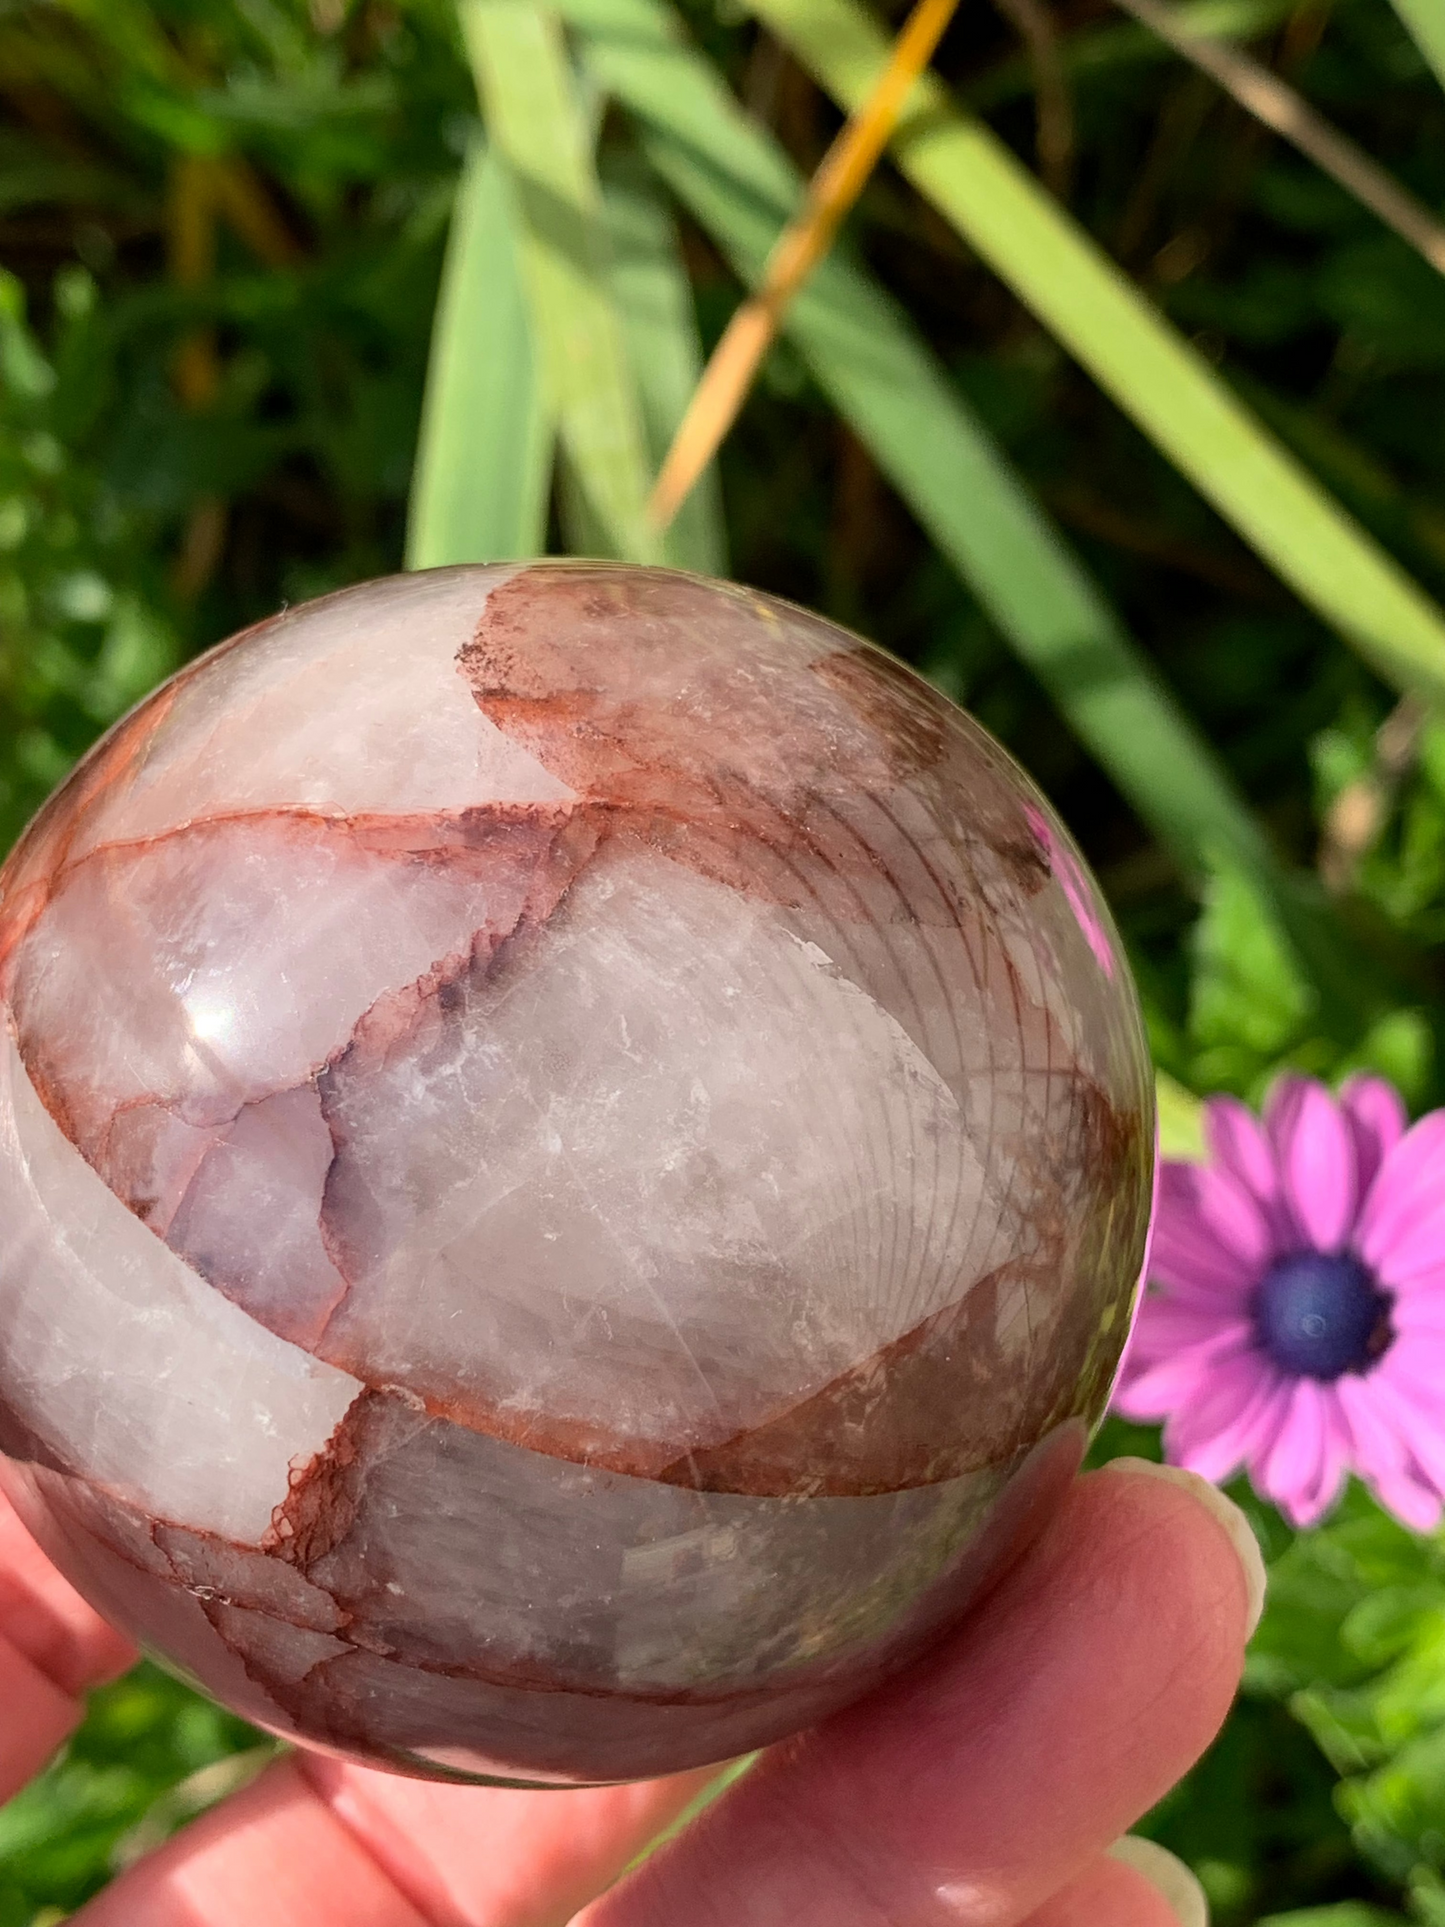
1320, 1314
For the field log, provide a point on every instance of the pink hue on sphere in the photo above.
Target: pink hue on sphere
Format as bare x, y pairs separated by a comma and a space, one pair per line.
574, 1170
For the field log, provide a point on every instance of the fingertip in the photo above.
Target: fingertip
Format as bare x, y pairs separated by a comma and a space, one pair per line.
1168, 1875
1134, 1884
39, 1718
994, 1775
1224, 1513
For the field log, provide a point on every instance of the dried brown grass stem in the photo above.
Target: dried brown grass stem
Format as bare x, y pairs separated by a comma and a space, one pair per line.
834, 188
1279, 107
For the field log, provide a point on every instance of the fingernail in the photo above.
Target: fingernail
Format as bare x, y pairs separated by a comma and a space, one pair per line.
1228, 1514
1167, 1875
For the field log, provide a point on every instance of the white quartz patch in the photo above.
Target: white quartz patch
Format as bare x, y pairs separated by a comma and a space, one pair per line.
124, 1362
666, 1174
354, 704
229, 961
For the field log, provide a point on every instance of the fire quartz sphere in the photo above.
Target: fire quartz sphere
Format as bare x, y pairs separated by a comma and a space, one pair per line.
576, 1150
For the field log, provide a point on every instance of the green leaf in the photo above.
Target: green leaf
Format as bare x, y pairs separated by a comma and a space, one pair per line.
538, 124
1399, 1045
1350, 1913
1425, 22
867, 356
1130, 349
1353, 1637
1249, 1003
1180, 1114
24, 371
654, 298
479, 489
1396, 1811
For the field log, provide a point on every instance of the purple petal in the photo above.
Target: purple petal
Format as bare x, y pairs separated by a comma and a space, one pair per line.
1209, 1233
1418, 1356
1376, 1116
1411, 1500
1195, 1269
1416, 1253
1280, 1105
1167, 1322
1409, 1376
1218, 1430
1413, 1412
1157, 1389
1380, 1454
1401, 1231
1377, 1446
1420, 1307
1334, 1459
1288, 1470
1163, 1325
1238, 1144
1316, 1152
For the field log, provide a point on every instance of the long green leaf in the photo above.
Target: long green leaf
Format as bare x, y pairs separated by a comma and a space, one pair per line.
1131, 350
1425, 22
866, 355
654, 298
479, 489
538, 124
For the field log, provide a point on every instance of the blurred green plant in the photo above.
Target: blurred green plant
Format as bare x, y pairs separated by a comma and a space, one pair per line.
151, 1754
85, 629
1144, 467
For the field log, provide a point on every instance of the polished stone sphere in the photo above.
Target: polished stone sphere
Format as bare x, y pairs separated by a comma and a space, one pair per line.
576, 1148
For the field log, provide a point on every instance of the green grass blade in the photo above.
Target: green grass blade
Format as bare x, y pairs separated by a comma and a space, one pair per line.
480, 486
654, 298
541, 128
1425, 23
866, 355
1131, 350
883, 379
980, 515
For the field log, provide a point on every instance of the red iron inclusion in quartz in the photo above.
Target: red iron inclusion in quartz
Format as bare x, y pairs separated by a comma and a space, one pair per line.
575, 1157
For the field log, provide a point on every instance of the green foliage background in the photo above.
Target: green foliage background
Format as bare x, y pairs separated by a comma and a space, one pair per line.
223, 225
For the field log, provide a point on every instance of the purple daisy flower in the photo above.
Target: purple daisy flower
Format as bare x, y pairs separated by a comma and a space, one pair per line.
1295, 1321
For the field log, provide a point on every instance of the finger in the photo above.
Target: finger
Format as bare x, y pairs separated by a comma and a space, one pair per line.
991, 1776
273, 1853
1107, 1894
471, 1857
38, 1718
52, 1646
459, 1854
336, 1846
46, 1618
1169, 1874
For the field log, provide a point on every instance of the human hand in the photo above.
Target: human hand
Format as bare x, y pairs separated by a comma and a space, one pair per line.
982, 1789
